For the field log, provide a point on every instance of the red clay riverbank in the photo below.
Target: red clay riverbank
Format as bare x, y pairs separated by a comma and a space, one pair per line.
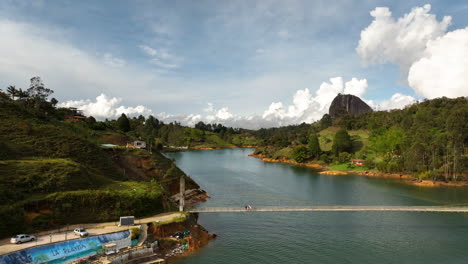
284, 160
406, 178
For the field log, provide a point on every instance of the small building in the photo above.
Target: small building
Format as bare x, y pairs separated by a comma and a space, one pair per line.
75, 118
127, 220
137, 144
357, 162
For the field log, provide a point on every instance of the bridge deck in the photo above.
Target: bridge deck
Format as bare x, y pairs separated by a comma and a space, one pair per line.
345, 208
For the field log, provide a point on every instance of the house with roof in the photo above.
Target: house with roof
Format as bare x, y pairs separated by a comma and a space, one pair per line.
137, 144
357, 162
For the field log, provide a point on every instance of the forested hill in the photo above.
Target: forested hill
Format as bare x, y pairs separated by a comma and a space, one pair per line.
55, 172
428, 139
58, 166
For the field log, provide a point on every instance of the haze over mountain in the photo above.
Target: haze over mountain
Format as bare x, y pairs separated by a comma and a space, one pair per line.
235, 63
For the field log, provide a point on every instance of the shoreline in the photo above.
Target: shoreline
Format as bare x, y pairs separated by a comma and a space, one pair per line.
284, 160
199, 236
206, 148
405, 178
222, 147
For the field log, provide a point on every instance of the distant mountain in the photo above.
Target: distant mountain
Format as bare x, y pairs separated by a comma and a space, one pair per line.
347, 104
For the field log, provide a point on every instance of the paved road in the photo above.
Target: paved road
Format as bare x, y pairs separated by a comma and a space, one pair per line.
437, 209
93, 229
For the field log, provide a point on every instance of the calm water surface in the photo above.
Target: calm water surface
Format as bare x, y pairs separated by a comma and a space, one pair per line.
234, 179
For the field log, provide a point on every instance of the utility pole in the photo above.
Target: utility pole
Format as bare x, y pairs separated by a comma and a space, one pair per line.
182, 193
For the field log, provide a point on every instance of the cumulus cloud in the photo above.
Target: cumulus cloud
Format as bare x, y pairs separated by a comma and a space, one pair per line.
306, 107
401, 41
397, 101
106, 107
443, 71
435, 62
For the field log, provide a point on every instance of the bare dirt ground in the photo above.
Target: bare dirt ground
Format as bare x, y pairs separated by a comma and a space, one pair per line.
93, 229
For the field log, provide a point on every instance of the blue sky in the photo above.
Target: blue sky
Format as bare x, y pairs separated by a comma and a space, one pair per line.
178, 56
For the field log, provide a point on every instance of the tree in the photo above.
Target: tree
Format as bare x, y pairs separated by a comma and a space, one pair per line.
344, 157
12, 91
314, 147
200, 125
53, 102
300, 154
90, 119
37, 90
387, 141
326, 121
342, 142
123, 123
23, 94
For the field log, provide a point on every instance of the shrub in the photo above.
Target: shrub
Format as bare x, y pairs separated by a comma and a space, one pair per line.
135, 231
324, 158
344, 157
300, 154
369, 163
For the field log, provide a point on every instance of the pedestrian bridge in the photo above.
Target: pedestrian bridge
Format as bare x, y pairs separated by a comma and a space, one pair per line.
335, 208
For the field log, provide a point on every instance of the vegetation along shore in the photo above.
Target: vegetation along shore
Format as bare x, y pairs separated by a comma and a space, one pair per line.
423, 144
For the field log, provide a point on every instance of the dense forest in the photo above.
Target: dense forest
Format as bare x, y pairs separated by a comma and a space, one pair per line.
428, 139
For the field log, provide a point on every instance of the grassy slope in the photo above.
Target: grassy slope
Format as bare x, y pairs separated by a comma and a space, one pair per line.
53, 172
360, 140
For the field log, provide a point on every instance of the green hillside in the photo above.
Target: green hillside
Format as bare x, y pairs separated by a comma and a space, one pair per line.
427, 139
54, 172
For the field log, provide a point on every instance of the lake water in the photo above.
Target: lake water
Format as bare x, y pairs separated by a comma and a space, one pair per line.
233, 179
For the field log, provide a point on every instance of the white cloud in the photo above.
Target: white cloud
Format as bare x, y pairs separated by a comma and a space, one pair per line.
308, 108
399, 41
209, 108
161, 57
31, 50
397, 101
110, 60
148, 50
105, 107
305, 107
356, 87
443, 71
435, 62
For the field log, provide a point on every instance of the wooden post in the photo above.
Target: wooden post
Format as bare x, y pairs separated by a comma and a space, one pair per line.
182, 194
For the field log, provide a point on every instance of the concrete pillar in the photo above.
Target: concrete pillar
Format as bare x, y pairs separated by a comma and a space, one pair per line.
182, 194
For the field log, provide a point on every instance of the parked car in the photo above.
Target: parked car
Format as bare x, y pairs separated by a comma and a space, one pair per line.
80, 232
22, 238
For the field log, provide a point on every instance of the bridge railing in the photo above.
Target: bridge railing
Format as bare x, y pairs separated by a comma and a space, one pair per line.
335, 208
